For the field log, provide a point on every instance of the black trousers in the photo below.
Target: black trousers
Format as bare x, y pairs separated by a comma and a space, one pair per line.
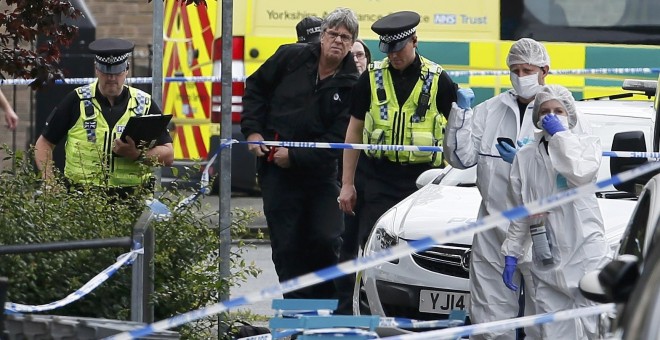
375, 195
305, 225
349, 251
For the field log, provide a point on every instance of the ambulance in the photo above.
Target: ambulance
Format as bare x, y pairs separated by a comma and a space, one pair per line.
459, 35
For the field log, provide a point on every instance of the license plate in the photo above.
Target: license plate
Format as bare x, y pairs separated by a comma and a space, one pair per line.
442, 302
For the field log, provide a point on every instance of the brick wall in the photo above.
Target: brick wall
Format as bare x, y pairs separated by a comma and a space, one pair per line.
126, 19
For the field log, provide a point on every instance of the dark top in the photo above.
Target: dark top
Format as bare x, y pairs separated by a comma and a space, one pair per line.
284, 97
404, 82
522, 107
67, 112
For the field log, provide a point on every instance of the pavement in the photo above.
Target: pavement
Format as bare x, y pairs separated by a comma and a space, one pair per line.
256, 251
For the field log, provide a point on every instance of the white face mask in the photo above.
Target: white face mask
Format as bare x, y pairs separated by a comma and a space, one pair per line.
527, 86
564, 121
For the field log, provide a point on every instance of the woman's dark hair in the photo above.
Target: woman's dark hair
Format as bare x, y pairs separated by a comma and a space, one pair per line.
367, 53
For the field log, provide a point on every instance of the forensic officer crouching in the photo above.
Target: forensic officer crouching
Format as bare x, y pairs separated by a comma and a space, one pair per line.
91, 118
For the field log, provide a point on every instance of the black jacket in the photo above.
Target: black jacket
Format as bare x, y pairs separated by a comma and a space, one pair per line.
282, 97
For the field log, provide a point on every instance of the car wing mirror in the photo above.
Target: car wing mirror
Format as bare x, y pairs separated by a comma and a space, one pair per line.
429, 176
591, 289
618, 278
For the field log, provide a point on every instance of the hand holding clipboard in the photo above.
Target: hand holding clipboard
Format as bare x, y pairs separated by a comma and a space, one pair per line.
145, 130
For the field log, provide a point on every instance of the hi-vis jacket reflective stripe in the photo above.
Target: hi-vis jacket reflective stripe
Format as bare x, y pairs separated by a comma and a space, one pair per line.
89, 158
389, 123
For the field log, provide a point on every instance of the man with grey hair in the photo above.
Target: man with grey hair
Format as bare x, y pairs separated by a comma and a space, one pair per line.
479, 137
301, 93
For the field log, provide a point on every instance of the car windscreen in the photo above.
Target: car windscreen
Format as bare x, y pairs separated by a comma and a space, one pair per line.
606, 126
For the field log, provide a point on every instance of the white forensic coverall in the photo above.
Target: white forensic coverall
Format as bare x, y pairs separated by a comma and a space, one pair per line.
470, 138
575, 229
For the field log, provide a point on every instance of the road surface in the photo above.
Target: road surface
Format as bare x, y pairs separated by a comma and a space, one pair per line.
259, 253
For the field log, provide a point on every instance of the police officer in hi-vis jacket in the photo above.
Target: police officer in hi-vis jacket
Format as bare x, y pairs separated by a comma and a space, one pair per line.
91, 119
402, 100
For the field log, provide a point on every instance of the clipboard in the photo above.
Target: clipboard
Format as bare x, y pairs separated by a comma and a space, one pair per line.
144, 130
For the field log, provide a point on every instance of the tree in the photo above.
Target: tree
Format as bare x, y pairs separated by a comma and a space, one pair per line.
20, 25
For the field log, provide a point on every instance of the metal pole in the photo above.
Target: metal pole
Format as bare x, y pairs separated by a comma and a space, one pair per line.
157, 65
137, 282
115, 242
4, 285
157, 98
225, 153
149, 273
142, 279
157, 55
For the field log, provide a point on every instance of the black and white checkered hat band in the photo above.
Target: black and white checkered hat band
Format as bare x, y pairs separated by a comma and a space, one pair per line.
111, 60
396, 37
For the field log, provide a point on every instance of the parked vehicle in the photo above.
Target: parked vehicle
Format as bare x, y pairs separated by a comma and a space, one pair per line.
429, 284
620, 280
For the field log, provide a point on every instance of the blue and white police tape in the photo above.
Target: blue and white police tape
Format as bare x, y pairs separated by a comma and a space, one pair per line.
324, 145
631, 154
504, 325
416, 148
416, 324
204, 188
84, 290
259, 337
217, 79
132, 80
348, 267
584, 71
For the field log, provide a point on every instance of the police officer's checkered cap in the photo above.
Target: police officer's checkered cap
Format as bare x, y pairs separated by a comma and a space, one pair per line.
342, 16
560, 94
111, 50
112, 59
528, 51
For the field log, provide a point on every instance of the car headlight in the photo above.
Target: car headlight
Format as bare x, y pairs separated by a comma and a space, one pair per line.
384, 234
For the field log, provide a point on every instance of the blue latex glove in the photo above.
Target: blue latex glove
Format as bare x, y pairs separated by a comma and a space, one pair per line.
552, 124
506, 151
510, 264
465, 98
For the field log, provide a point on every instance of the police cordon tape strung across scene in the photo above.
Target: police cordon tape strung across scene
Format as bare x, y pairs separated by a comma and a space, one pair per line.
525, 321
387, 147
161, 212
82, 291
149, 80
393, 253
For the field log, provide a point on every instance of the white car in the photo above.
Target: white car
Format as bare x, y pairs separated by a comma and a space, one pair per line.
427, 285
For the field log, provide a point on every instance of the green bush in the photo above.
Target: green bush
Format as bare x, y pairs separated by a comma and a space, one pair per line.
186, 254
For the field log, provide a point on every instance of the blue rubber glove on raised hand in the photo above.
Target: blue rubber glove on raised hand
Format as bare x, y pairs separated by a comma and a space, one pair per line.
552, 124
510, 264
465, 98
507, 152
